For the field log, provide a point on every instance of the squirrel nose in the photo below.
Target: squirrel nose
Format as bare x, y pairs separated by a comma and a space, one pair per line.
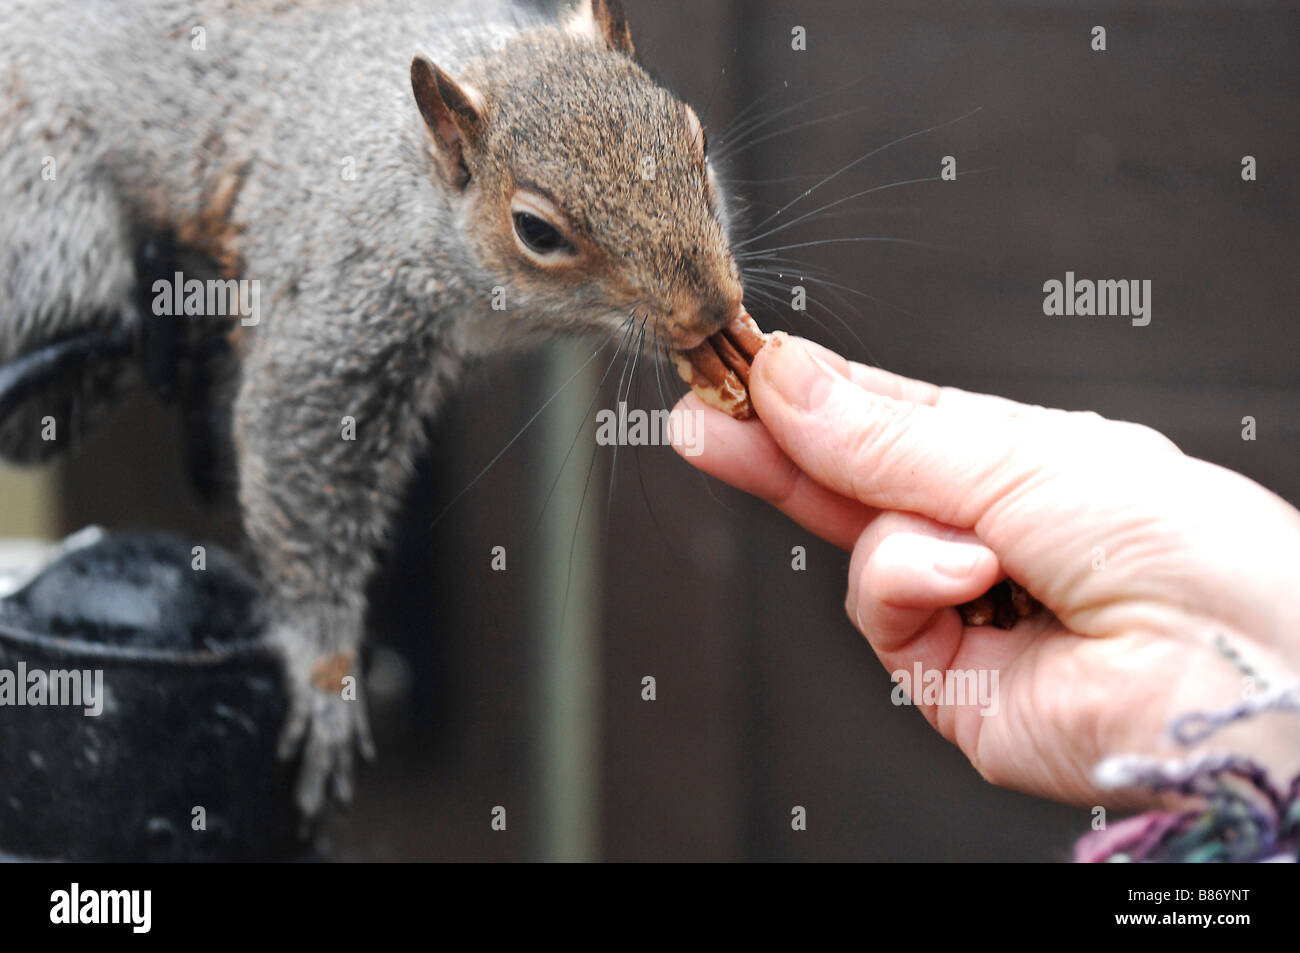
719, 317
690, 322
707, 318
722, 313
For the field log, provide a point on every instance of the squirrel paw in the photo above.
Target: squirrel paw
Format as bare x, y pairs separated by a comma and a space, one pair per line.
326, 722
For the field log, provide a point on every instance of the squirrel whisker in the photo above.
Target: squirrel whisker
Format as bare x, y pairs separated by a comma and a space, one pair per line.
628, 324
511, 442
863, 158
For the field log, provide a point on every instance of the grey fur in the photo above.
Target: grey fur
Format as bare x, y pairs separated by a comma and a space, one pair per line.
374, 291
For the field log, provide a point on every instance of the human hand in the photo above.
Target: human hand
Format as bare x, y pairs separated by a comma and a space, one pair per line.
1142, 556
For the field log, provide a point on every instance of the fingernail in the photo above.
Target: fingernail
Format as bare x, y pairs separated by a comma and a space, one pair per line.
800, 379
959, 560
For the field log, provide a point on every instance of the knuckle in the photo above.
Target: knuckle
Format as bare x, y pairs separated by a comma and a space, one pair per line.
1148, 437
875, 439
993, 770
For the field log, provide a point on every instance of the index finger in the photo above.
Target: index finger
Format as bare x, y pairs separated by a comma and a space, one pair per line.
743, 454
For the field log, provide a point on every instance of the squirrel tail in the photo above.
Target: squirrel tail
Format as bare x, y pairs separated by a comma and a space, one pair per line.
78, 329
67, 282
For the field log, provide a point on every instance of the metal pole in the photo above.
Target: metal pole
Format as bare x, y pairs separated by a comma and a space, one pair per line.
568, 627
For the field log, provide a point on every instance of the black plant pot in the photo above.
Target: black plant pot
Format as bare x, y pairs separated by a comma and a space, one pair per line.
192, 705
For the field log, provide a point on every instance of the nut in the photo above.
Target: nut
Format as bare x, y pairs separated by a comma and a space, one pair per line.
718, 369
1004, 605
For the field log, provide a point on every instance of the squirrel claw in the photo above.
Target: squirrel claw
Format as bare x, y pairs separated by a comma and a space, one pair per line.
326, 726
326, 737
365, 740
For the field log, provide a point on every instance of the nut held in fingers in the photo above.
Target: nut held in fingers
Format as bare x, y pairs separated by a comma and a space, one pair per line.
1003, 606
718, 369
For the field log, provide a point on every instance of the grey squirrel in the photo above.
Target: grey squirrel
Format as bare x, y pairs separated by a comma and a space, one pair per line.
495, 155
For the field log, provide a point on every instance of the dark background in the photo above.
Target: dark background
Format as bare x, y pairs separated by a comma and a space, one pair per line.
1122, 164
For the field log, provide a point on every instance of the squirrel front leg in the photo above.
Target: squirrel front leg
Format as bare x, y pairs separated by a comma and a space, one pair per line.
325, 431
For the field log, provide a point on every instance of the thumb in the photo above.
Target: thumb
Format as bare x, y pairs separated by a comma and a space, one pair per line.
950, 465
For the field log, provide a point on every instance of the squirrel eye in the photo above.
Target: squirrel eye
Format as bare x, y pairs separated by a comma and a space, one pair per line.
538, 234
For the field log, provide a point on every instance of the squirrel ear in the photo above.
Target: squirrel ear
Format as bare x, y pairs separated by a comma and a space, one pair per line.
605, 22
453, 113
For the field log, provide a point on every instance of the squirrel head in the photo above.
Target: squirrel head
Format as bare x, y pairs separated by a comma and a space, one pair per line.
582, 188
